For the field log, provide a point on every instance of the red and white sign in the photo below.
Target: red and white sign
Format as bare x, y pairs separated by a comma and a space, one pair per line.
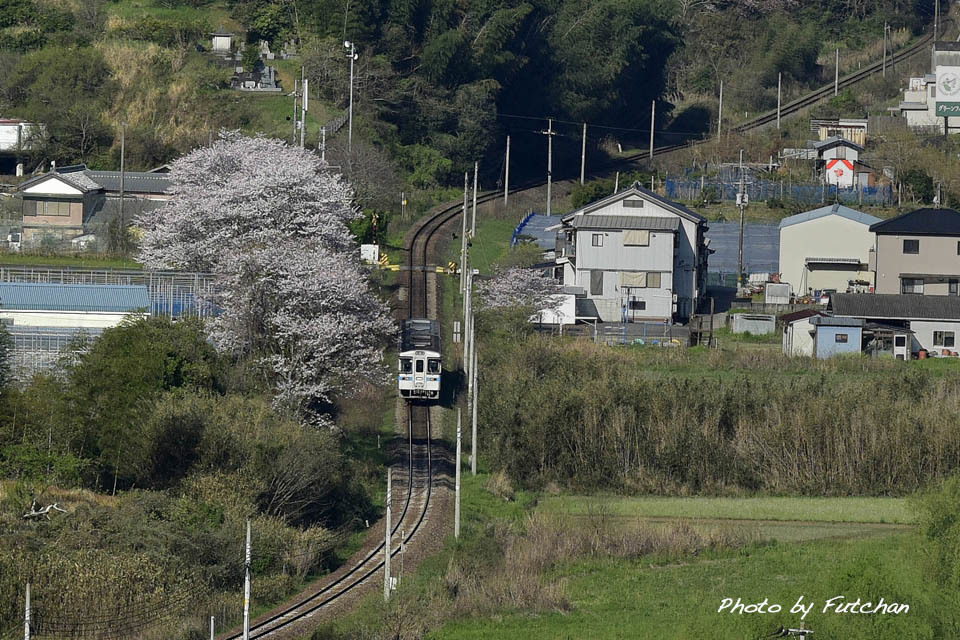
840, 172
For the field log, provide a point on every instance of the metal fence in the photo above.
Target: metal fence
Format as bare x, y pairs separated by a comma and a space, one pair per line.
764, 190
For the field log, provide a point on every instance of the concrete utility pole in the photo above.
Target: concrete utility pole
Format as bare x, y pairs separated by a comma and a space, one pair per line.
583, 154
886, 28
473, 225
779, 80
304, 107
26, 616
549, 133
323, 144
473, 434
720, 111
353, 56
213, 634
653, 115
506, 176
123, 148
296, 112
246, 589
386, 539
456, 504
836, 75
463, 235
470, 360
741, 203
936, 19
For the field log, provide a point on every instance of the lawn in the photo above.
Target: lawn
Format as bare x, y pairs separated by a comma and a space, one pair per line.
77, 262
880, 510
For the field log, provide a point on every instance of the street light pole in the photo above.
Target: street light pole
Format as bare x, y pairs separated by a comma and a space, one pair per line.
353, 56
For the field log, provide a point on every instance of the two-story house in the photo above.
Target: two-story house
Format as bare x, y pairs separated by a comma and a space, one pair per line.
73, 201
918, 252
636, 256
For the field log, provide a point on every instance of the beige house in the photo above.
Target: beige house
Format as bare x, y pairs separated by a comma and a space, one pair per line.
918, 253
827, 249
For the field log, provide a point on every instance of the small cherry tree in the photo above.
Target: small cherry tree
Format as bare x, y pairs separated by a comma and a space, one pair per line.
271, 223
518, 287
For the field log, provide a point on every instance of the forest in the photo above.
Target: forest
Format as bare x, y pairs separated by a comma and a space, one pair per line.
438, 84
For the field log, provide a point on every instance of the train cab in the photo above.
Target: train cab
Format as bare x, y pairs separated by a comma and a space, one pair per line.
419, 367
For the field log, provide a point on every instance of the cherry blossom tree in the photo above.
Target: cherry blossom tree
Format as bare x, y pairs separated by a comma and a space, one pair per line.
271, 223
518, 287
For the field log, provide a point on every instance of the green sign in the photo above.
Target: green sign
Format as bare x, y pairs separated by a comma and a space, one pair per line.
948, 108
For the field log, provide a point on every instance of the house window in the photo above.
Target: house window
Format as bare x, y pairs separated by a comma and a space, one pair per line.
633, 204
598, 239
911, 246
636, 238
596, 282
53, 208
958, 247
954, 286
911, 285
638, 305
840, 337
653, 280
943, 339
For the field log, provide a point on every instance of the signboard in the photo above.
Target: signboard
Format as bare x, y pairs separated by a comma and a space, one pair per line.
948, 109
948, 90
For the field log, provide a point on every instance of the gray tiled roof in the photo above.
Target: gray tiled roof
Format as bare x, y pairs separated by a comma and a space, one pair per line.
926, 221
830, 210
637, 189
650, 223
30, 296
133, 181
75, 179
835, 141
891, 306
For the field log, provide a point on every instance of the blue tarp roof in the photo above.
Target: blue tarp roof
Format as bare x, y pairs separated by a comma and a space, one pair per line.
104, 298
535, 225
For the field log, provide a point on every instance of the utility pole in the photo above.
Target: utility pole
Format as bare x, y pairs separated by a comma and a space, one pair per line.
456, 505
886, 28
936, 19
323, 144
506, 176
296, 112
779, 80
463, 236
304, 106
353, 56
741, 203
653, 115
836, 75
473, 434
26, 616
471, 360
549, 133
583, 154
123, 222
720, 111
246, 589
213, 634
386, 539
473, 225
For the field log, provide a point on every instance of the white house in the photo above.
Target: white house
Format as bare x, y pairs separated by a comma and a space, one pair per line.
827, 249
635, 255
798, 332
840, 159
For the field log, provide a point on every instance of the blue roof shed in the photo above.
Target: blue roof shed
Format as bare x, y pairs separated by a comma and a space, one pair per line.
103, 298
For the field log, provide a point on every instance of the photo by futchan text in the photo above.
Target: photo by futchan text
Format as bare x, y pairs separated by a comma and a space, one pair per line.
836, 604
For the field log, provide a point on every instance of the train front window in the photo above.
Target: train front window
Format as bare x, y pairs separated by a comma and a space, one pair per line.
433, 365
419, 366
406, 365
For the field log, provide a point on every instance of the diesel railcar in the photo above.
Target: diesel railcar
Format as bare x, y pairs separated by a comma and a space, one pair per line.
419, 368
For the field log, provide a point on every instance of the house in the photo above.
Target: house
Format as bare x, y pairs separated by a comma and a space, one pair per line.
918, 252
71, 306
634, 255
14, 139
852, 129
222, 41
72, 201
930, 323
827, 249
839, 162
835, 336
798, 332
930, 101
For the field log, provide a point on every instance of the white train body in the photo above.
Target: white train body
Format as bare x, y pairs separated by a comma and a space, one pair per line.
419, 366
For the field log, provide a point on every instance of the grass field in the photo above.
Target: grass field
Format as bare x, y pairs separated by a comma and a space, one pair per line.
86, 262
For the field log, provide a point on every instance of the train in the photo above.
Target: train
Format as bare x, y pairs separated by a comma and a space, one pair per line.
419, 366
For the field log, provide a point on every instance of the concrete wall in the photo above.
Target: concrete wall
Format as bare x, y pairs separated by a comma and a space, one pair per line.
938, 255
827, 237
826, 345
71, 319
